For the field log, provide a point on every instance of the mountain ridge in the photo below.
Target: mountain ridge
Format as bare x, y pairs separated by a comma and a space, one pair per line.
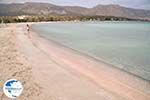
34, 8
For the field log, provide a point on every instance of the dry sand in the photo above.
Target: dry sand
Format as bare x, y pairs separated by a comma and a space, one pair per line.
50, 71
13, 65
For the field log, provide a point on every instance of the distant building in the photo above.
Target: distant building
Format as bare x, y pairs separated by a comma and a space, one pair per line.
22, 17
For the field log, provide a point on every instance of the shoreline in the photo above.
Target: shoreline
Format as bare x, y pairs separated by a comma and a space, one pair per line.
133, 77
90, 56
86, 55
64, 74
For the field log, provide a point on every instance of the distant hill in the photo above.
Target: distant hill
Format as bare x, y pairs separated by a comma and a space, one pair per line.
31, 8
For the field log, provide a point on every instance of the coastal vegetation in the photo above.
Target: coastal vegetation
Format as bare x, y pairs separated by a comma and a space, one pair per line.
24, 18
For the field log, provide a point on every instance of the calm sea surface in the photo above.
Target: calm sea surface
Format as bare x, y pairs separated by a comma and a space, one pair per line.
125, 45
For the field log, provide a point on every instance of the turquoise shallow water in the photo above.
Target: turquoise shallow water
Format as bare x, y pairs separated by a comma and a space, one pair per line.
125, 45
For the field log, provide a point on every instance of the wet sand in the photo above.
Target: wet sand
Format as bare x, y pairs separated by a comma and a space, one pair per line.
64, 74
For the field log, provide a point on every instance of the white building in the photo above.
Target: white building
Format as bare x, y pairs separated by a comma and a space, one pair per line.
22, 17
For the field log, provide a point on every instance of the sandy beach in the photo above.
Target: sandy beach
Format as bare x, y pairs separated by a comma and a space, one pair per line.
13, 64
50, 71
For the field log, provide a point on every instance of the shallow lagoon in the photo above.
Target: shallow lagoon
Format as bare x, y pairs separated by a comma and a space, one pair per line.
125, 45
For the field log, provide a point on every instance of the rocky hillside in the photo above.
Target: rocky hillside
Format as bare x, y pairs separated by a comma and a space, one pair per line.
31, 8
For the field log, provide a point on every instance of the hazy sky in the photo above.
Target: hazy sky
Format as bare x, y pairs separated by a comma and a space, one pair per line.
143, 4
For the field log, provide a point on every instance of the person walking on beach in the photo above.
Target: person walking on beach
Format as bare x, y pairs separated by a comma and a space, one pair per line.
28, 30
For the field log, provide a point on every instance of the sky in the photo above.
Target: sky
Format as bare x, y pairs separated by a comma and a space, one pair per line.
140, 4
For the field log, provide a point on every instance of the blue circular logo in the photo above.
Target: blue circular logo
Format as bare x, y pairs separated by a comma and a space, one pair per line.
12, 88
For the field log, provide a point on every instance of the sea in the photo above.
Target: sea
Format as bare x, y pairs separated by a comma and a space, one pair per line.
123, 44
